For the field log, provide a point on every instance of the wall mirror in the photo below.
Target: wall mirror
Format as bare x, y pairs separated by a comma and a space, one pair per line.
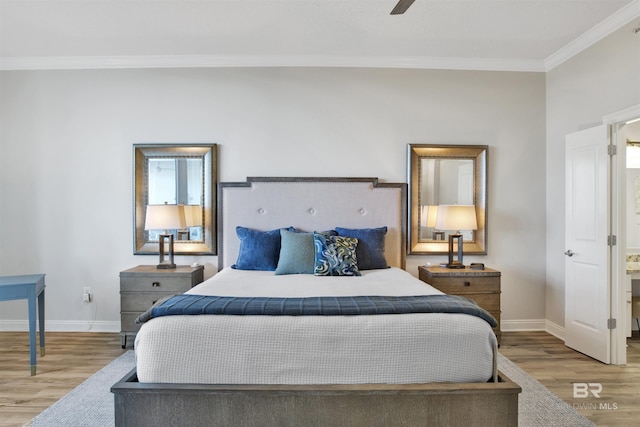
445, 175
183, 176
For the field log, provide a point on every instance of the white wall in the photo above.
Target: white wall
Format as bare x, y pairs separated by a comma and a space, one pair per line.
601, 80
66, 147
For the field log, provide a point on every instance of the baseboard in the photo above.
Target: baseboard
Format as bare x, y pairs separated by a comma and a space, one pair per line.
62, 326
554, 329
533, 325
523, 325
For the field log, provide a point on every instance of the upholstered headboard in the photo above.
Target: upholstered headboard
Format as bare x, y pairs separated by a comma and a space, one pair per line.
312, 204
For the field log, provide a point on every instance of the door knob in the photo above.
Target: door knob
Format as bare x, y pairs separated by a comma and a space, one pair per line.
569, 253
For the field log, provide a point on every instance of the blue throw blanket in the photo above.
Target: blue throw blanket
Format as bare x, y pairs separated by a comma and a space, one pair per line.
314, 306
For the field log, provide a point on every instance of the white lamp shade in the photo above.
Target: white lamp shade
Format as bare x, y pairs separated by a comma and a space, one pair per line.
193, 215
456, 217
428, 217
164, 217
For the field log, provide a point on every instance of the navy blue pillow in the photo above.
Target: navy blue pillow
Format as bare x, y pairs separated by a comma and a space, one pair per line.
259, 250
370, 250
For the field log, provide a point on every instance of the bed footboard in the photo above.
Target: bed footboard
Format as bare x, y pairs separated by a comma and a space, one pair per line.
142, 404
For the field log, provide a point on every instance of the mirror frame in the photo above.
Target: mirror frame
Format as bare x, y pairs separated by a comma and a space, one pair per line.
477, 153
141, 154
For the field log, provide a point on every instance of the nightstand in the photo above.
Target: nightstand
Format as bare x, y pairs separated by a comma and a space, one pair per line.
482, 286
142, 286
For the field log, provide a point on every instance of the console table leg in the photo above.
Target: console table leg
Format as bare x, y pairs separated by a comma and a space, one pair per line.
41, 320
31, 301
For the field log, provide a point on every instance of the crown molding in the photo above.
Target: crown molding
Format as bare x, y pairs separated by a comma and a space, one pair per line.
594, 35
584, 41
216, 61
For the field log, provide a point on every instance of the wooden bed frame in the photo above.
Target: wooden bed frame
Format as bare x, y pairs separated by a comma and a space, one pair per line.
367, 405
312, 204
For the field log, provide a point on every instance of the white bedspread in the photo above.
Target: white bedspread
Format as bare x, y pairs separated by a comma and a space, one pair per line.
242, 283
398, 349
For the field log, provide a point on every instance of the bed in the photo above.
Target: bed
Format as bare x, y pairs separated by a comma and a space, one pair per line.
317, 368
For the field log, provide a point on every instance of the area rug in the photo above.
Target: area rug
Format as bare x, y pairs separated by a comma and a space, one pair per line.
537, 406
91, 403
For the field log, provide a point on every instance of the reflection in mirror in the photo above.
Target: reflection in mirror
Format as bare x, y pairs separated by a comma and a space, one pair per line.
443, 182
178, 181
182, 175
445, 175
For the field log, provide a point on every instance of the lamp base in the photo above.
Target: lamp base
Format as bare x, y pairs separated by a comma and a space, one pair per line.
166, 266
455, 265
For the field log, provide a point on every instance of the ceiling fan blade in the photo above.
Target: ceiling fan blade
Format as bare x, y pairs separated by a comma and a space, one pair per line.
402, 7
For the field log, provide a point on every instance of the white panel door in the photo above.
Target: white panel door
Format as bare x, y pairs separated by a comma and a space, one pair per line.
587, 253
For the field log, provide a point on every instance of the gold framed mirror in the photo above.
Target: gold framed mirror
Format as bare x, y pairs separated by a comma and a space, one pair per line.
184, 175
446, 175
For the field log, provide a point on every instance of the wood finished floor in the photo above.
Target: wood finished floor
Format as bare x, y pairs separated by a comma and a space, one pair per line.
70, 358
557, 367
73, 357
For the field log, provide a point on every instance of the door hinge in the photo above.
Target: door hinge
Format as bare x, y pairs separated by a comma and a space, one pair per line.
611, 323
612, 240
612, 150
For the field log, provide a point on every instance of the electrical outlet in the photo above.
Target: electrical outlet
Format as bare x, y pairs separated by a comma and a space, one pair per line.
86, 294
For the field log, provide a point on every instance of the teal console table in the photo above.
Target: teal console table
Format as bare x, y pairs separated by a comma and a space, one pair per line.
27, 287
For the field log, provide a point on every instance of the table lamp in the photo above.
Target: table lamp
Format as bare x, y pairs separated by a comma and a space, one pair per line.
165, 217
193, 218
429, 215
456, 217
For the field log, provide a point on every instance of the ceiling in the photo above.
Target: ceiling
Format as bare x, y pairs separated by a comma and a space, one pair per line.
520, 35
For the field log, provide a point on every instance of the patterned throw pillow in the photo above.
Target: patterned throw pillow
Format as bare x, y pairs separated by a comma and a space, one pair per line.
335, 255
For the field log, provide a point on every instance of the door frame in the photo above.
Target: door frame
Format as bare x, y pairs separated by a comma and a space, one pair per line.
618, 202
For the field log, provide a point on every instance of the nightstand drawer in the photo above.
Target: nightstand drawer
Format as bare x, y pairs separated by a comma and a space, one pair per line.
175, 284
487, 301
141, 301
466, 284
142, 286
482, 286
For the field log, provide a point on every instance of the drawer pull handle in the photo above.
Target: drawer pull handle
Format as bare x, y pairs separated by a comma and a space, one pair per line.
156, 284
467, 283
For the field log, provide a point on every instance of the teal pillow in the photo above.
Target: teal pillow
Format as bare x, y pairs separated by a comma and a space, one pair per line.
335, 255
259, 250
370, 250
297, 253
